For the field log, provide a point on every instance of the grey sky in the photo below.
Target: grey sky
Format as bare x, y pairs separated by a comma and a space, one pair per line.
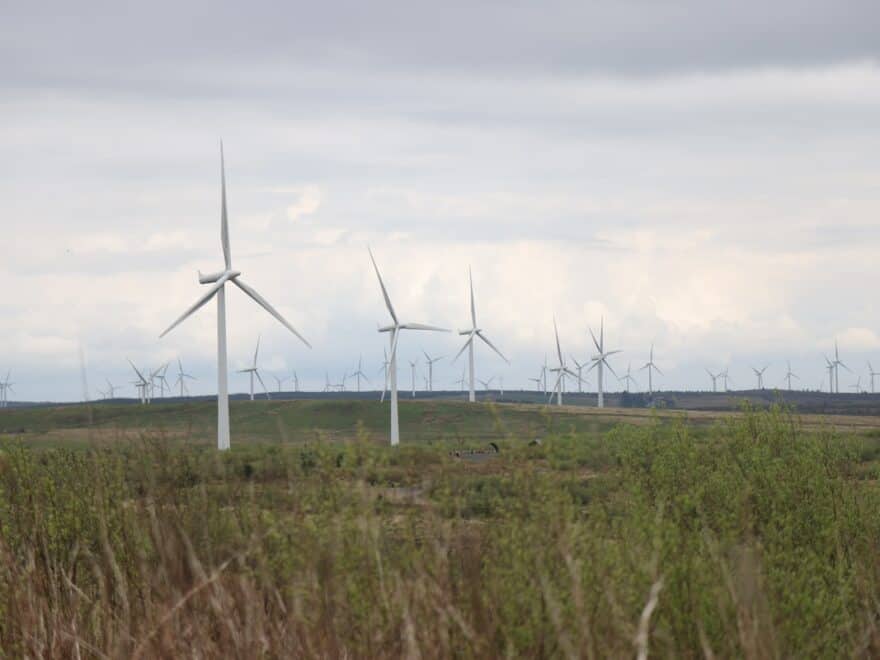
704, 174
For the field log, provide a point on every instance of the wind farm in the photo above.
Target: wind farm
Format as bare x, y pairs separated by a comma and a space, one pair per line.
413, 330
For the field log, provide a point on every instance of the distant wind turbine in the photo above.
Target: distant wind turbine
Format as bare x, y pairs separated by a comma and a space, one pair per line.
600, 360
651, 367
858, 386
181, 379
279, 380
537, 382
580, 367
218, 282
412, 364
254, 370
561, 369
5, 389
461, 382
789, 374
486, 383
714, 378
760, 374
394, 335
871, 375
111, 389
628, 378
430, 362
360, 373
142, 385
473, 332
837, 364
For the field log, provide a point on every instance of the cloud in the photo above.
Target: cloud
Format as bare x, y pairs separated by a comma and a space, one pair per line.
308, 202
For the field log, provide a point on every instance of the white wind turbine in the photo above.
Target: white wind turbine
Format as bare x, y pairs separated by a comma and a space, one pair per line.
360, 373
628, 378
159, 376
723, 375
412, 364
789, 374
254, 370
142, 385
580, 367
384, 371
562, 370
295, 381
760, 374
537, 382
837, 364
714, 378
111, 389
181, 379
461, 381
600, 360
394, 335
430, 362
871, 375
218, 283
280, 380
829, 365
473, 332
857, 388
651, 367
5, 389
486, 383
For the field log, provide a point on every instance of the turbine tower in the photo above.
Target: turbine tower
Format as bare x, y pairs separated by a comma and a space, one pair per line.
562, 370
723, 376
789, 374
218, 283
394, 335
412, 364
472, 332
651, 367
254, 370
600, 360
430, 362
760, 374
142, 385
829, 365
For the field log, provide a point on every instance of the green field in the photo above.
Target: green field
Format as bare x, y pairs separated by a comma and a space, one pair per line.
123, 534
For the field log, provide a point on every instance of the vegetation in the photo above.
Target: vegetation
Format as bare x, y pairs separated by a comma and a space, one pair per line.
754, 537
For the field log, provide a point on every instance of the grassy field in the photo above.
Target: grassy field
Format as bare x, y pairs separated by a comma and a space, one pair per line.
624, 533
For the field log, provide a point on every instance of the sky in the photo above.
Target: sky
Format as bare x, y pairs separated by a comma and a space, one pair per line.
703, 175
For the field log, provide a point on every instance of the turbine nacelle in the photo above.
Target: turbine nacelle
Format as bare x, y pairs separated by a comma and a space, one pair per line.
210, 278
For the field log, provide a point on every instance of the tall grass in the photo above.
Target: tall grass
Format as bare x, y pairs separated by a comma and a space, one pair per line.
760, 540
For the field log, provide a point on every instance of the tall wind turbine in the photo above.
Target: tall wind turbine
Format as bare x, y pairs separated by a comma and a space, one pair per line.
430, 362
142, 385
461, 381
412, 364
537, 382
394, 335
279, 380
473, 332
789, 374
714, 378
360, 373
5, 389
295, 381
580, 367
829, 365
628, 378
723, 376
837, 364
111, 389
651, 367
600, 360
181, 379
218, 282
159, 376
486, 383
384, 371
562, 370
858, 386
871, 374
254, 370
760, 374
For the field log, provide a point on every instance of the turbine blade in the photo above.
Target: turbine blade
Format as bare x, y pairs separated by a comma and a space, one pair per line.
260, 378
558, 348
473, 309
595, 341
257, 352
610, 368
201, 301
466, 344
224, 220
492, 346
265, 305
657, 369
422, 326
384, 290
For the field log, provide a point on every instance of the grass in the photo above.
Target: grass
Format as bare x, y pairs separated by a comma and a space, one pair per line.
753, 535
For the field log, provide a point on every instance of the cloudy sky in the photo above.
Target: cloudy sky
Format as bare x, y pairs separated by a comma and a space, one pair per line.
703, 174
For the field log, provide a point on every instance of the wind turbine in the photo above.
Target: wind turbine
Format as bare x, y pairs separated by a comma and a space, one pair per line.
562, 369
412, 364
181, 379
486, 383
254, 370
142, 385
871, 374
430, 362
461, 381
544, 372
723, 376
6, 387
627, 378
858, 386
760, 374
159, 376
829, 365
472, 332
327, 386
714, 378
651, 367
394, 334
341, 385
837, 364
601, 359
360, 373
218, 282
580, 368
384, 371
537, 382
789, 374
280, 381
111, 389
295, 381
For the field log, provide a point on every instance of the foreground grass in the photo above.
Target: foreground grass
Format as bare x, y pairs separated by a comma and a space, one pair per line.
758, 539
